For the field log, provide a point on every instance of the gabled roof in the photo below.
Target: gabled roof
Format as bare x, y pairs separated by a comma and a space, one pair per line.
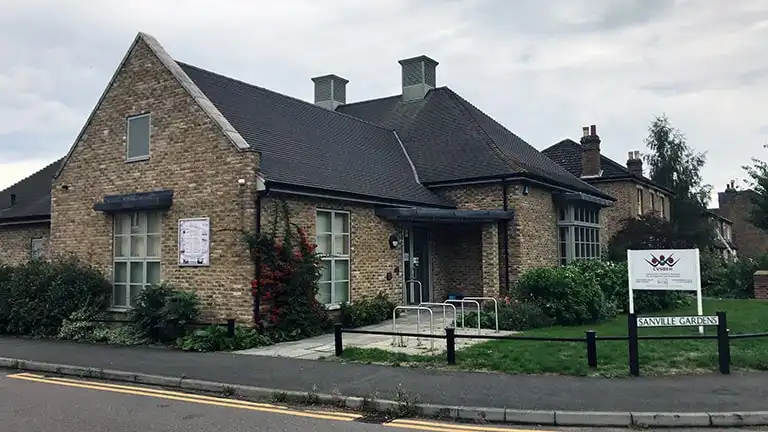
449, 139
717, 213
567, 154
304, 145
32, 196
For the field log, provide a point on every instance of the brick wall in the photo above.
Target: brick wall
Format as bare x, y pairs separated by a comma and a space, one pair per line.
371, 258
457, 260
190, 155
750, 240
625, 207
15, 241
761, 284
532, 234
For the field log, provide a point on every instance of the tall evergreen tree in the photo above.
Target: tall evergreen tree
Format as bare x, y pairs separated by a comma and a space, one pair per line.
674, 165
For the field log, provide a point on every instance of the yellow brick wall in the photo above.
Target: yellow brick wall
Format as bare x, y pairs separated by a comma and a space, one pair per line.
191, 156
16, 241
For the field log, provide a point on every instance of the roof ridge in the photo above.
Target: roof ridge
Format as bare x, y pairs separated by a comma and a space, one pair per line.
284, 95
33, 174
487, 137
369, 100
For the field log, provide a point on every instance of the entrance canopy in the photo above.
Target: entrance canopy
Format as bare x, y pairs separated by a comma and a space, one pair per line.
443, 215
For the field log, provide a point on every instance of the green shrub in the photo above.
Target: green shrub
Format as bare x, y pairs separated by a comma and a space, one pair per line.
366, 311
37, 296
82, 326
565, 294
736, 279
513, 316
214, 338
162, 312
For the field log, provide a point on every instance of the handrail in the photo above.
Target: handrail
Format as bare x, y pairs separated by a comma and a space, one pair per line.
495, 307
462, 310
418, 310
444, 305
410, 282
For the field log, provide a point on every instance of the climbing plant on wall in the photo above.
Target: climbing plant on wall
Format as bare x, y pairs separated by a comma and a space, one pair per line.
288, 282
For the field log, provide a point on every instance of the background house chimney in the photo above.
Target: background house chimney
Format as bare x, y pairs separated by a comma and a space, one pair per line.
590, 151
635, 163
330, 91
419, 77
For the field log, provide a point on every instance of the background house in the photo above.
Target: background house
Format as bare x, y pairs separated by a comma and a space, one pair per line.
635, 193
736, 206
722, 229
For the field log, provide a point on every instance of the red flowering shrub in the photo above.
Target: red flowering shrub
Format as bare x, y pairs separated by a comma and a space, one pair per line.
287, 289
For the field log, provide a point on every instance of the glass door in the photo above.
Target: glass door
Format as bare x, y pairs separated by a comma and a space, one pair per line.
416, 265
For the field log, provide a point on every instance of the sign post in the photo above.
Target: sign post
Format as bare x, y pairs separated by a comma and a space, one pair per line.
665, 270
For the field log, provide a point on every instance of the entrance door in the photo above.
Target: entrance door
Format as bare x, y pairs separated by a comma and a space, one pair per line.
416, 265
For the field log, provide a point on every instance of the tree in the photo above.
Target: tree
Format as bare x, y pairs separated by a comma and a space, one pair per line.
674, 165
652, 232
758, 182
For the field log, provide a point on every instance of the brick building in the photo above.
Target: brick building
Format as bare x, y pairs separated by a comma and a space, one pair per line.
635, 193
736, 206
175, 161
722, 230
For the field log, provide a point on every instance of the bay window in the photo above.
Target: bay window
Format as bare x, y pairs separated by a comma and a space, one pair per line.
578, 233
136, 255
333, 246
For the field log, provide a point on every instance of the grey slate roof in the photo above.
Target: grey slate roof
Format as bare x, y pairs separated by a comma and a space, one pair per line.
33, 196
567, 154
450, 139
304, 145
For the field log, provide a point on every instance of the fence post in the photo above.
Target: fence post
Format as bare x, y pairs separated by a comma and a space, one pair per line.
230, 328
634, 361
723, 344
450, 341
591, 348
337, 339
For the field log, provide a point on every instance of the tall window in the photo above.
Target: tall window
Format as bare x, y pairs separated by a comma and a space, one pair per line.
639, 202
137, 255
578, 233
137, 141
661, 206
333, 245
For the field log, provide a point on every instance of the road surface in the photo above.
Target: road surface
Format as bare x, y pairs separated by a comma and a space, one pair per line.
39, 403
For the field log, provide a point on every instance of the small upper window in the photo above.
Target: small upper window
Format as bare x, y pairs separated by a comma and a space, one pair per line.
36, 246
138, 137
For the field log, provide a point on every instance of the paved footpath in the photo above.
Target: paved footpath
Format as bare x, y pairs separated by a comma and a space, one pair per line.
737, 392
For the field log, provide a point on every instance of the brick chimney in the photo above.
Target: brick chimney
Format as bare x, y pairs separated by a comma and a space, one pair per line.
635, 163
330, 91
590, 152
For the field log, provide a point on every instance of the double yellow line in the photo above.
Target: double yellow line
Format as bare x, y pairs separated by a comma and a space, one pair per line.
185, 397
253, 406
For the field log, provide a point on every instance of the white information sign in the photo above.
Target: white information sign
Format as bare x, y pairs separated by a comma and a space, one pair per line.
664, 270
194, 242
677, 321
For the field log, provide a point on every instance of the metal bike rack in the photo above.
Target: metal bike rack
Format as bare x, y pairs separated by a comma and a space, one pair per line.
444, 306
495, 307
410, 282
463, 301
418, 310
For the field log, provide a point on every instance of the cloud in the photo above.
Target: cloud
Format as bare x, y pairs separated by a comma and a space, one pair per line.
543, 69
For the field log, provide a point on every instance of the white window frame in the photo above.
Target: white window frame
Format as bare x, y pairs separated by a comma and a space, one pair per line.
639, 197
142, 231
334, 257
662, 209
36, 253
586, 221
128, 121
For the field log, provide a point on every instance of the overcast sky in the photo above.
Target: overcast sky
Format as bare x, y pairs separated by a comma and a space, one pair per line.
543, 69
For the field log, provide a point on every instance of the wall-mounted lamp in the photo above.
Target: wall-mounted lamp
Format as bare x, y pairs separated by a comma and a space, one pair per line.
394, 241
525, 190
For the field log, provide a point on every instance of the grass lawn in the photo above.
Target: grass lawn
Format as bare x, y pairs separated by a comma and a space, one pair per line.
570, 358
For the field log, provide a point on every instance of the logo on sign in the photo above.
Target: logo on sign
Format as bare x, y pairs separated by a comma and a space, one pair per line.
661, 263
